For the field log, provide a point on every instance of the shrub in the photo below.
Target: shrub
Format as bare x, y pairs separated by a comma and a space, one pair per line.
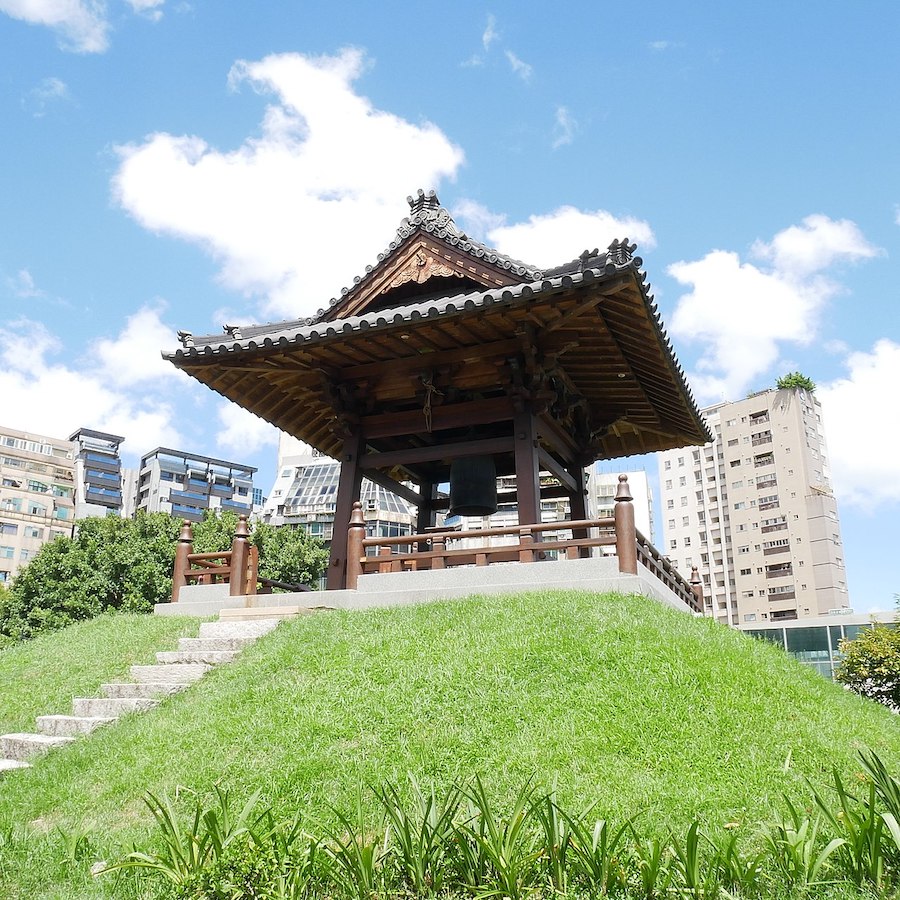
871, 665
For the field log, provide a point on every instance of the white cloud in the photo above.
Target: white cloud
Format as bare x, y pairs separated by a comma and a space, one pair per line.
327, 162
564, 128
150, 9
519, 66
241, 433
22, 285
786, 299
133, 356
477, 219
816, 244
490, 33
47, 92
45, 397
863, 427
562, 235
81, 24
659, 46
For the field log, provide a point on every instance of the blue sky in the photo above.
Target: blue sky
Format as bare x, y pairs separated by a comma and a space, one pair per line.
172, 165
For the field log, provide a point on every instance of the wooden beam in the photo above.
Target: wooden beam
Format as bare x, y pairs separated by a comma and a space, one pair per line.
528, 484
450, 415
391, 458
556, 469
349, 486
394, 486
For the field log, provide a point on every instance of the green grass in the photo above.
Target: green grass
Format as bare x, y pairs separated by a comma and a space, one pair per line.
41, 676
618, 699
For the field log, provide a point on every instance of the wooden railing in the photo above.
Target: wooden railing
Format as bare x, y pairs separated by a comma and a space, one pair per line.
237, 567
435, 549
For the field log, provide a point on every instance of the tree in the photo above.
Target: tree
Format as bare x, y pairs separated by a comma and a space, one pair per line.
115, 564
871, 665
795, 381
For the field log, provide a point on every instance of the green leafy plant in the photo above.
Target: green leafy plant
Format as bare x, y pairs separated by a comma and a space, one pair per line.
508, 844
594, 849
423, 836
556, 839
795, 849
871, 665
795, 381
737, 872
697, 878
651, 859
861, 826
356, 853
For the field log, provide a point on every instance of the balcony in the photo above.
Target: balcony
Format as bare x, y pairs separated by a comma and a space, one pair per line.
768, 529
760, 485
771, 551
761, 439
764, 459
779, 571
759, 418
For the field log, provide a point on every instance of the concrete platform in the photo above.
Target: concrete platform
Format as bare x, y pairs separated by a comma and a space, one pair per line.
404, 588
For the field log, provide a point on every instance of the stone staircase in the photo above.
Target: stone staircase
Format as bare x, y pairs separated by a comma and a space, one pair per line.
218, 642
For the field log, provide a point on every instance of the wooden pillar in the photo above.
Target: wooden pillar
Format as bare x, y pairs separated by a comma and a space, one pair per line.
425, 518
183, 549
528, 482
578, 504
626, 535
240, 559
348, 493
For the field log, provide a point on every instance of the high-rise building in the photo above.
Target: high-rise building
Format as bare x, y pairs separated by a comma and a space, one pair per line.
37, 495
98, 473
755, 512
602, 488
185, 485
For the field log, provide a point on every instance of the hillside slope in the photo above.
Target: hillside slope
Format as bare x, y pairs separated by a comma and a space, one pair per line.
617, 698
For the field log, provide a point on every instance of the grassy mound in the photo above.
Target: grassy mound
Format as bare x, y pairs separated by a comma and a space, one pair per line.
617, 699
41, 676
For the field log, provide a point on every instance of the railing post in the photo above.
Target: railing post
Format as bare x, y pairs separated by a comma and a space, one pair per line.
356, 534
183, 549
240, 559
437, 547
626, 535
697, 588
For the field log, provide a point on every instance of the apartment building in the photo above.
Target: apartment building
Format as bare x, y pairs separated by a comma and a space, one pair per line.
755, 512
602, 488
305, 491
98, 473
185, 485
37, 495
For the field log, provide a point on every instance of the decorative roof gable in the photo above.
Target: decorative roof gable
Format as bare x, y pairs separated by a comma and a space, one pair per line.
429, 255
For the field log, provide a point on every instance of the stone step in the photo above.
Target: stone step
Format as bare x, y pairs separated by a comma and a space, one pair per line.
180, 673
197, 644
10, 765
56, 726
191, 657
251, 614
96, 706
223, 629
23, 747
150, 689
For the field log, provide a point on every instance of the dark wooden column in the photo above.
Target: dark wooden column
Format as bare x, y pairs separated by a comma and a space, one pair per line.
425, 518
528, 483
578, 504
348, 492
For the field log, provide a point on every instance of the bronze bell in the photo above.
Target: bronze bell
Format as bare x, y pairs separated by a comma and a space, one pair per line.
473, 486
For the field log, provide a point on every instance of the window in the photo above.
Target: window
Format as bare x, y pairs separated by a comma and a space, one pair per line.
36, 509
736, 484
687, 542
7, 552
685, 520
749, 617
62, 513
746, 571
671, 523
680, 460
668, 484
31, 532
7, 528
13, 504
670, 504
667, 464
673, 544
682, 481
733, 442
734, 462
744, 549
684, 501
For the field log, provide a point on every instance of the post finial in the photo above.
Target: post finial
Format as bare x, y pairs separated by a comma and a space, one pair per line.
187, 532
623, 492
356, 515
243, 529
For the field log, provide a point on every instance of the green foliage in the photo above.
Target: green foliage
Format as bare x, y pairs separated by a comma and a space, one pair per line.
125, 565
795, 381
871, 665
218, 854
111, 564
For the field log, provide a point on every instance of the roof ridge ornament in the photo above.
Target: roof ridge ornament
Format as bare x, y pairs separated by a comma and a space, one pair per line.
425, 209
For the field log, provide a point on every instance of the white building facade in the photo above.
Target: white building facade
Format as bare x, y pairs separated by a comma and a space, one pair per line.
754, 510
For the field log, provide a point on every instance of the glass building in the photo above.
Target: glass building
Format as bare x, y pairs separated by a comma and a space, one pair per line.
816, 641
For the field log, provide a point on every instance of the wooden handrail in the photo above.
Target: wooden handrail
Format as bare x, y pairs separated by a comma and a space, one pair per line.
631, 547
